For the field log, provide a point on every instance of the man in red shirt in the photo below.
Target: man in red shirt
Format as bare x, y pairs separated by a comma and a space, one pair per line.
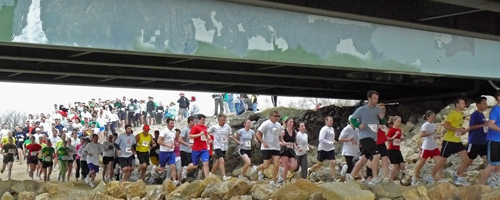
201, 141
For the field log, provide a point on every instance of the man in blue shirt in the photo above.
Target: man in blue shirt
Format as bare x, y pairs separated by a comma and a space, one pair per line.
478, 128
493, 142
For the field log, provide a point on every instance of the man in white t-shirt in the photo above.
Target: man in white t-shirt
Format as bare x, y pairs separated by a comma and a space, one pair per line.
268, 134
167, 154
4, 132
326, 148
93, 149
221, 133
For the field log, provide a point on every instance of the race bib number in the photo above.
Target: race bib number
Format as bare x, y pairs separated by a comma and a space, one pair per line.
64, 158
208, 147
485, 129
354, 143
247, 143
128, 150
288, 145
122, 109
396, 142
373, 127
191, 141
458, 134
48, 158
223, 139
145, 143
203, 138
34, 153
12, 151
21, 139
160, 111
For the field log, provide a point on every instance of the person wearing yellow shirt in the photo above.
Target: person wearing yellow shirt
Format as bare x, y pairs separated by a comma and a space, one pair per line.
144, 141
452, 143
5, 140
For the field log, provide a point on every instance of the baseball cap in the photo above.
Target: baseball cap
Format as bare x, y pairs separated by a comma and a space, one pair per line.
182, 94
146, 128
193, 98
37, 129
65, 129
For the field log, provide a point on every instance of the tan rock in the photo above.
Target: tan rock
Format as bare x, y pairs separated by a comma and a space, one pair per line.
44, 196
492, 195
316, 196
177, 192
6, 185
26, 195
101, 188
219, 190
262, 191
441, 191
7, 196
116, 189
26, 185
240, 187
472, 192
346, 191
211, 179
194, 189
102, 196
207, 191
290, 191
136, 189
155, 194
136, 198
386, 190
52, 188
312, 188
244, 197
415, 193
168, 186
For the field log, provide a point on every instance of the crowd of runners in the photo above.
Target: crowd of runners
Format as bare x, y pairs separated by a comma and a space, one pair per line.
370, 139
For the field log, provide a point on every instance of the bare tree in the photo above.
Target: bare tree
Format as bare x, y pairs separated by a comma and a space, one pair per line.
13, 118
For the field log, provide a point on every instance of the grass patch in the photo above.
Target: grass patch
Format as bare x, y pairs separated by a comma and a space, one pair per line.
7, 22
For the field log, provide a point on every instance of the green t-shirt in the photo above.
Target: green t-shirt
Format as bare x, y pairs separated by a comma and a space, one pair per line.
131, 107
47, 153
10, 149
26, 142
62, 153
96, 124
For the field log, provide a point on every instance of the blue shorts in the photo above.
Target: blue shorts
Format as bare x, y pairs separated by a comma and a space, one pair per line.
102, 129
93, 167
197, 155
167, 157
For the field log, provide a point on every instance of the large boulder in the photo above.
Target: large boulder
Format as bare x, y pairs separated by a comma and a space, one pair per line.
262, 191
492, 195
290, 191
101, 188
194, 189
26, 195
168, 186
386, 190
6, 185
220, 189
116, 189
244, 197
136, 189
44, 196
414, 193
26, 185
155, 194
269, 172
471, 192
52, 188
346, 191
7, 196
177, 192
240, 187
442, 191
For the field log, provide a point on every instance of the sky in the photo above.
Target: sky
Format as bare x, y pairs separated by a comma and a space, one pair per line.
42, 97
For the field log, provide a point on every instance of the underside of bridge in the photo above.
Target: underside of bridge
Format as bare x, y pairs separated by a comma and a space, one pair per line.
21, 62
77, 66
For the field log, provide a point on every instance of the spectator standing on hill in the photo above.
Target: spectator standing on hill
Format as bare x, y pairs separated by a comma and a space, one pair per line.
150, 108
183, 107
219, 103
194, 109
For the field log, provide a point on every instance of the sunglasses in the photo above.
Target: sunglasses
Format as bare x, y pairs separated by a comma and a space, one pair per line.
277, 115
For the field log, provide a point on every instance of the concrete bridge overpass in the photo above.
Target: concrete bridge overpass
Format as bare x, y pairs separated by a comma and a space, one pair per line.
265, 48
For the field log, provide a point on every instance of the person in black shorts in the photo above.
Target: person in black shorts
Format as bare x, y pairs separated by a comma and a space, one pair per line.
268, 134
288, 146
478, 128
154, 152
8, 151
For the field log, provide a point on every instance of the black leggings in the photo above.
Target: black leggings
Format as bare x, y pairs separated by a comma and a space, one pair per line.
350, 164
85, 168
369, 172
77, 175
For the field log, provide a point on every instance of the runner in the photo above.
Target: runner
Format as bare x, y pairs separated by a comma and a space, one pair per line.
63, 157
268, 134
452, 143
8, 150
221, 133
93, 149
429, 146
370, 117
288, 145
350, 137
125, 145
492, 171
48, 153
83, 160
167, 155
144, 141
186, 144
201, 141
71, 157
154, 153
478, 128
381, 145
108, 159
33, 150
326, 148
20, 138
78, 158
244, 139
395, 136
